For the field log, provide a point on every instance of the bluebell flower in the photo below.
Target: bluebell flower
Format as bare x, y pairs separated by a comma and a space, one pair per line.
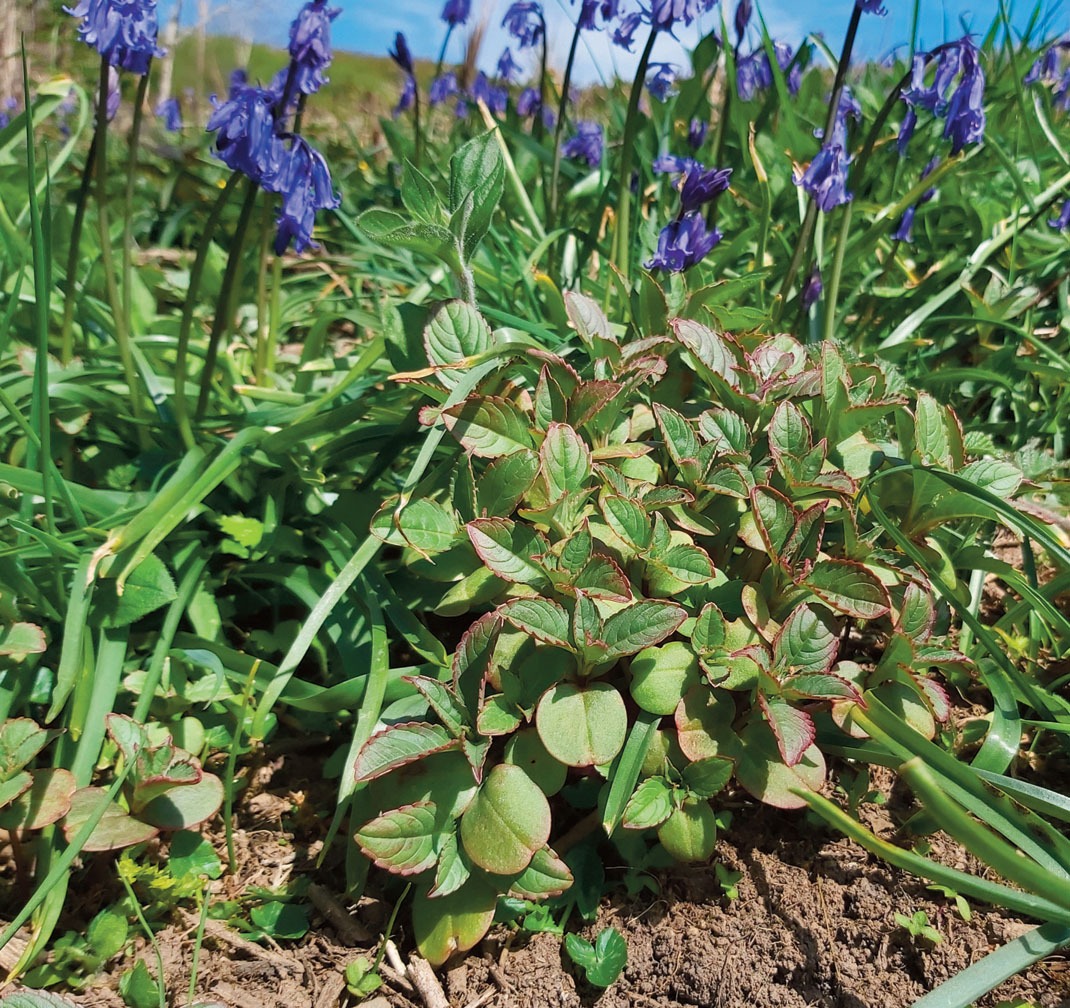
624, 33
665, 13
965, 122
1045, 69
906, 130
1062, 222
461, 109
456, 12
700, 185
442, 87
304, 182
507, 66
114, 93
400, 53
586, 143
524, 21
588, 11
310, 45
662, 83
744, 10
665, 164
1062, 92
246, 140
696, 133
610, 10
238, 79
812, 289
529, 104
122, 31
826, 178
407, 96
8, 105
682, 243
171, 114
495, 98
754, 74
871, 7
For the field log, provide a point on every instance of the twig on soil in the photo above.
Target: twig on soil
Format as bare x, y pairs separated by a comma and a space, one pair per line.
426, 983
482, 999
351, 931
219, 931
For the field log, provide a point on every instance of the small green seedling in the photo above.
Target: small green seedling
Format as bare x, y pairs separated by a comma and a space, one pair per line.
601, 962
961, 906
918, 926
361, 978
728, 880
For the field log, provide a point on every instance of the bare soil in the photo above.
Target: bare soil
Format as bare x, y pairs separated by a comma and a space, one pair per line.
813, 925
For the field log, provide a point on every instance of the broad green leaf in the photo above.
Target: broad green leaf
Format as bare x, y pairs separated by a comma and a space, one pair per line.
46, 801
525, 750
148, 588
603, 962
582, 725
19, 639
660, 676
690, 833
402, 840
489, 426
443, 701
474, 658
398, 745
453, 923
650, 806
589, 321
628, 520
547, 875
419, 196
640, 625
704, 723
789, 431
566, 461
185, 806
504, 482
931, 439
543, 619
498, 717
687, 563
680, 438
707, 777
190, 854
725, 431
806, 642
20, 740
820, 686
709, 632
454, 333
774, 517
793, 728
508, 549
849, 588
287, 921
507, 822
452, 870
424, 524
107, 933
602, 578
115, 829
17, 784
762, 771
137, 988
917, 613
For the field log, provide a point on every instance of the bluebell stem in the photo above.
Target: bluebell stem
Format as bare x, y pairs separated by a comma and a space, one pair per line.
456, 12
442, 87
696, 133
171, 114
246, 140
508, 69
304, 182
585, 144
122, 31
700, 185
682, 243
524, 21
624, 33
1062, 222
310, 45
811, 289
662, 83
904, 232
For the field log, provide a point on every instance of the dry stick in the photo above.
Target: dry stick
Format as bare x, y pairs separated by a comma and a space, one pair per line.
426, 983
348, 927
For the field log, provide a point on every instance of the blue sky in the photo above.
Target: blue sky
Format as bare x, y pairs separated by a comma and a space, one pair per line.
369, 26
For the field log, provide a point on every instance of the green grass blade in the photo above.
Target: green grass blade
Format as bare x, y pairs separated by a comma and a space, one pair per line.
625, 770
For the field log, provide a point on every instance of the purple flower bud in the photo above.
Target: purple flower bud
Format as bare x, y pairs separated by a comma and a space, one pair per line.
744, 9
871, 7
456, 12
682, 243
624, 34
507, 66
400, 53
665, 164
665, 13
114, 93
585, 144
1045, 69
310, 45
904, 232
238, 79
826, 178
245, 133
965, 122
304, 182
122, 31
524, 21
495, 98
442, 87
700, 185
1062, 222
662, 83
906, 130
407, 96
171, 114
812, 289
696, 133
